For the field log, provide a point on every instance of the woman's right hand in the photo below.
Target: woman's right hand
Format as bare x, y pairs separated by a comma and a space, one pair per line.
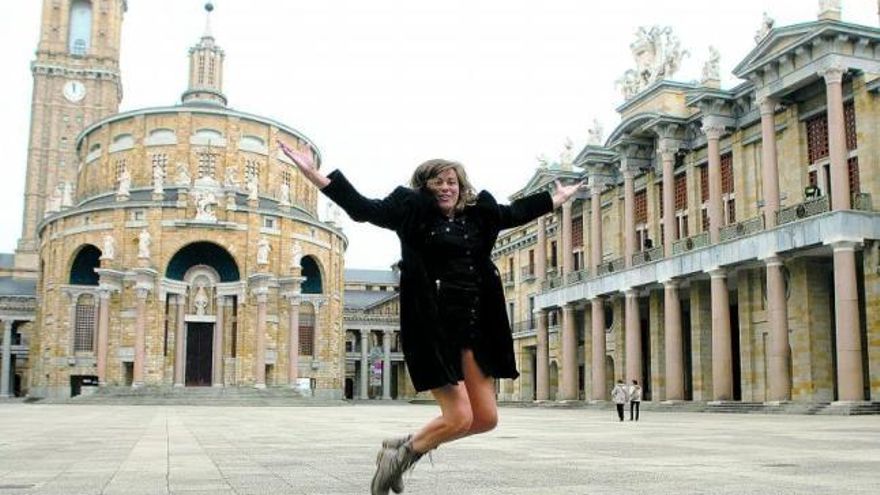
305, 164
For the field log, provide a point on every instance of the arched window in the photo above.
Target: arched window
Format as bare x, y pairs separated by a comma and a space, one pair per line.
84, 324
82, 271
80, 28
312, 283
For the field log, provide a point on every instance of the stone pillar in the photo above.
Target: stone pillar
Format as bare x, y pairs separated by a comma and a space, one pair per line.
180, 343
542, 361
629, 216
673, 341
569, 355
6, 372
262, 295
667, 156
716, 213
840, 193
386, 364
769, 167
293, 341
140, 337
217, 354
567, 254
365, 365
103, 335
777, 316
850, 381
597, 315
633, 337
541, 251
722, 353
595, 224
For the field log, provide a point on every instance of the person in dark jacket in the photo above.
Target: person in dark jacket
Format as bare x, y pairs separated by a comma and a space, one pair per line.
454, 329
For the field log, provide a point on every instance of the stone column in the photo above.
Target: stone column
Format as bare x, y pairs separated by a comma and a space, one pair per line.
722, 353
769, 167
567, 254
667, 156
293, 341
140, 337
6, 372
103, 335
597, 316
595, 224
673, 341
850, 381
180, 343
386, 364
569, 355
840, 193
365, 365
633, 337
542, 361
629, 216
777, 313
262, 295
541, 251
716, 213
217, 354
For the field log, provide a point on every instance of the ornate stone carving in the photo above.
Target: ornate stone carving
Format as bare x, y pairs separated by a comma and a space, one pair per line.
205, 201
124, 183
158, 179
183, 178
543, 161
231, 179
296, 254
284, 194
253, 188
263, 249
712, 67
566, 158
200, 301
658, 54
595, 134
66, 194
767, 23
109, 251
144, 240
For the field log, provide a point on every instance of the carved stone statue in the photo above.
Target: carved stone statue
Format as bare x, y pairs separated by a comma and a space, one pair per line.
543, 161
231, 179
657, 53
296, 254
158, 179
595, 134
263, 249
183, 178
826, 5
566, 158
766, 25
205, 201
284, 194
200, 301
712, 67
253, 188
53, 202
124, 183
109, 251
144, 240
66, 194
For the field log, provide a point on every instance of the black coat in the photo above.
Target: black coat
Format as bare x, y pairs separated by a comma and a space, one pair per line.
430, 358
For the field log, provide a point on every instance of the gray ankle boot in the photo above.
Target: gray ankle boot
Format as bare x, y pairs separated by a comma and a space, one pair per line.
390, 465
395, 443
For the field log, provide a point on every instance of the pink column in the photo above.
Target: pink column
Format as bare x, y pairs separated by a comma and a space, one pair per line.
850, 381
567, 254
365, 364
103, 335
542, 360
386, 364
293, 342
667, 156
541, 251
140, 337
722, 350
629, 218
673, 342
595, 224
217, 355
633, 337
180, 343
569, 355
597, 315
260, 346
716, 214
840, 193
769, 168
777, 312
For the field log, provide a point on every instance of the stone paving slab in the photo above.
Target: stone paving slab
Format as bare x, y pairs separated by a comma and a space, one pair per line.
150, 450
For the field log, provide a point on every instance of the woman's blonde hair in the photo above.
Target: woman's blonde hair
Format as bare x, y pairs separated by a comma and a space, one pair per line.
432, 168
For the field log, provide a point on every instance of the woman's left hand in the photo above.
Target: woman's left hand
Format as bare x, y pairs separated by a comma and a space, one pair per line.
563, 193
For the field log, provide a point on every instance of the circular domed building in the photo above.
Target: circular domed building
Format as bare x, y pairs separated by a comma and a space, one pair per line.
189, 254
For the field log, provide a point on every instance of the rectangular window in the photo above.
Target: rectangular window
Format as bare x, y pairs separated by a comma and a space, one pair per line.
727, 173
160, 160
306, 340
531, 315
641, 206
84, 329
704, 183
681, 197
270, 222
531, 261
553, 258
577, 232
704, 219
853, 166
207, 164
817, 137
849, 118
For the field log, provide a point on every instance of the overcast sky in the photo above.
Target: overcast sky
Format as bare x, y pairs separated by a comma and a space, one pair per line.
382, 85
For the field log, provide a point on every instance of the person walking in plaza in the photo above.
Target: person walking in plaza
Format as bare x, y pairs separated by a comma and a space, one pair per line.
635, 399
619, 394
454, 329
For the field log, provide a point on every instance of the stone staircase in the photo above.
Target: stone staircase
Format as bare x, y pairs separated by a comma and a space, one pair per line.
199, 396
726, 407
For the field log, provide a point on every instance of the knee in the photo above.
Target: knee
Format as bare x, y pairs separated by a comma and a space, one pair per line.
484, 421
460, 421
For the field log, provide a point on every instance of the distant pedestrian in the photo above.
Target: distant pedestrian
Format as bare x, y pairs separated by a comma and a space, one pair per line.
619, 396
635, 398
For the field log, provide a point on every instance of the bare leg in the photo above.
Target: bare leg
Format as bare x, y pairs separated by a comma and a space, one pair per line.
481, 392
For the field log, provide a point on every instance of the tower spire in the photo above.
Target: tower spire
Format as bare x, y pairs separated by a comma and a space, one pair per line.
205, 69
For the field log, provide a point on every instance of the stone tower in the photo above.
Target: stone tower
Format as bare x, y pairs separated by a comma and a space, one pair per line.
76, 82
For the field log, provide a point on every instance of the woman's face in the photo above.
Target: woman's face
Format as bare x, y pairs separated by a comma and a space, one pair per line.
444, 187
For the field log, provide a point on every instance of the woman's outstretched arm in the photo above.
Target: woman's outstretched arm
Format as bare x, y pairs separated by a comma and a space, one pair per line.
306, 165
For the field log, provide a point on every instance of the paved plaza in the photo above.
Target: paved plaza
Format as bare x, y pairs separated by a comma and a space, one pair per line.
146, 450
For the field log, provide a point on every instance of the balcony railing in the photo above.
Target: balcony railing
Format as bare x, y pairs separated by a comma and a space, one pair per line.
862, 201
741, 229
372, 318
507, 278
802, 210
578, 276
647, 255
523, 327
552, 282
692, 242
527, 273
609, 267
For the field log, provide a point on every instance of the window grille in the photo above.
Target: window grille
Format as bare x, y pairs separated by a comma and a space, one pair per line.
160, 160
681, 197
79, 47
84, 325
120, 166
577, 232
817, 138
704, 183
853, 168
207, 164
849, 118
641, 206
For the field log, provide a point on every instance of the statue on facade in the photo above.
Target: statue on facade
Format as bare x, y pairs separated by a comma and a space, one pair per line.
657, 53
183, 178
200, 301
109, 251
253, 187
205, 201
594, 134
158, 179
263, 249
767, 23
284, 194
66, 194
296, 254
543, 161
124, 182
144, 240
712, 67
566, 158
826, 5
230, 180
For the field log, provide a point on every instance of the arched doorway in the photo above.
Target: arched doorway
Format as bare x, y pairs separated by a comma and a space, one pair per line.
313, 283
82, 269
